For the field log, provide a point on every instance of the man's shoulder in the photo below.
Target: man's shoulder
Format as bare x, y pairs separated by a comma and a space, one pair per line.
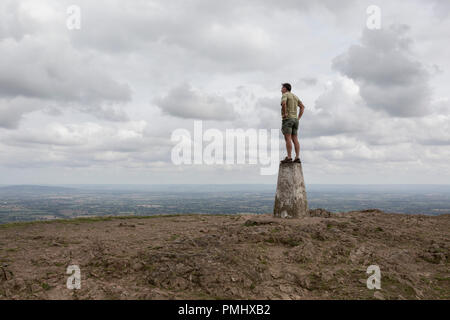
289, 95
296, 97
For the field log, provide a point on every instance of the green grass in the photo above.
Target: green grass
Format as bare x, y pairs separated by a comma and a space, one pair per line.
291, 242
45, 286
174, 237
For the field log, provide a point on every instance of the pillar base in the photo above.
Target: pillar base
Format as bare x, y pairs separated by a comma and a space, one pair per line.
290, 199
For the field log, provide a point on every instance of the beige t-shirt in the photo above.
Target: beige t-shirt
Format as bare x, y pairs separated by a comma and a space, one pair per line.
291, 105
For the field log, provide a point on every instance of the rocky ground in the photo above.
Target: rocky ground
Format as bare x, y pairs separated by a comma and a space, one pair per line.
324, 256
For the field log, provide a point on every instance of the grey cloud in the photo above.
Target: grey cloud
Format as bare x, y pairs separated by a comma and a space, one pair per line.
330, 143
444, 141
43, 68
184, 102
115, 25
434, 130
337, 112
32, 68
227, 36
441, 8
216, 34
389, 79
441, 107
12, 111
84, 145
105, 112
269, 103
13, 24
307, 81
301, 5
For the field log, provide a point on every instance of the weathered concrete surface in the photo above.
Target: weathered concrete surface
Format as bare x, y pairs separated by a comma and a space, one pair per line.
290, 199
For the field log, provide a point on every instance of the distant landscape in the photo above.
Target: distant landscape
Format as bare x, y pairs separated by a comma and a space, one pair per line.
36, 202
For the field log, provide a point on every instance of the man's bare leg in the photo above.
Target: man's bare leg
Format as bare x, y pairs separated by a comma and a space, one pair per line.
288, 139
296, 146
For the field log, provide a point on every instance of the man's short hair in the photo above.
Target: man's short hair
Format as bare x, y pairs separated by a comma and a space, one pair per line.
287, 86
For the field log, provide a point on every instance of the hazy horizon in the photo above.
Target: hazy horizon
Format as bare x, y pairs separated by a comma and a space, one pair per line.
36, 202
191, 187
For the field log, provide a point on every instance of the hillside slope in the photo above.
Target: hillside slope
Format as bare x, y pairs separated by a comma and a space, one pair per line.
229, 257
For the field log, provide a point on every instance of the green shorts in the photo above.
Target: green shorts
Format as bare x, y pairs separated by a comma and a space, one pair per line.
290, 126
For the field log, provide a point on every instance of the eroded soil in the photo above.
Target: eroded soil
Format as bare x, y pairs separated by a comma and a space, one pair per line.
324, 256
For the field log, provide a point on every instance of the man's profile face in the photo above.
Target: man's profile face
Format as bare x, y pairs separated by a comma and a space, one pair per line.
283, 90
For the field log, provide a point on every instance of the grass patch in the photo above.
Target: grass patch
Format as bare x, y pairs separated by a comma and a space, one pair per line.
275, 230
286, 241
270, 240
174, 237
250, 223
45, 286
291, 242
392, 285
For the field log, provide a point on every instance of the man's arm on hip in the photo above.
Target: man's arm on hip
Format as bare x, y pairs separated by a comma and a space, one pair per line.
302, 109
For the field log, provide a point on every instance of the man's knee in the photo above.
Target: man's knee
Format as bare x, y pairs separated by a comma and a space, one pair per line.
287, 137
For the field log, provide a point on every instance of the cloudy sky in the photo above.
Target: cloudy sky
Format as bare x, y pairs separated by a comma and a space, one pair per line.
99, 104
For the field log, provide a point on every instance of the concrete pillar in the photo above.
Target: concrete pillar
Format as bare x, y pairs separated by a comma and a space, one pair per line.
290, 199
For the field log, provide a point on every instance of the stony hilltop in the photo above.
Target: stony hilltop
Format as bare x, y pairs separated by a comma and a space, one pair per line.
324, 256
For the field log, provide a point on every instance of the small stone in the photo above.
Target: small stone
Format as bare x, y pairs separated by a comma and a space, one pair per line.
285, 289
275, 274
138, 266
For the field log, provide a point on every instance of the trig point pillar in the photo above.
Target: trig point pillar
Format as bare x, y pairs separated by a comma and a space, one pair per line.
290, 199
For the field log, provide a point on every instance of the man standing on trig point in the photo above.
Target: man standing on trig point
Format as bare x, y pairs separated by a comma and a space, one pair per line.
289, 127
